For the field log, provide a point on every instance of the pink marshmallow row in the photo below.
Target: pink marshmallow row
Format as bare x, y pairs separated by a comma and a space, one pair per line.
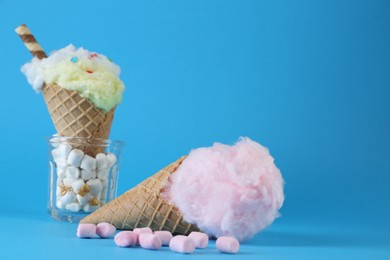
148, 239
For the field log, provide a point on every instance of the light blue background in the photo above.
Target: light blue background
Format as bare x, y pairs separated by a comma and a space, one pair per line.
308, 79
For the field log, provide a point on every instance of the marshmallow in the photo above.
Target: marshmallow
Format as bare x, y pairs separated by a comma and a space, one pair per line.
228, 245
59, 204
111, 159
75, 156
77, 185
200, 239
61, 163
149, 241
72, 172
147, 230
95, 186
84, 199
68, 181
86, 230
88, 163
61, 172
104, 190
164, 236
68, 197
182, 244
102, 173
105, 230
101, 161
125, 238
89, 208
88, 174
73, 207
63, 150
54, 154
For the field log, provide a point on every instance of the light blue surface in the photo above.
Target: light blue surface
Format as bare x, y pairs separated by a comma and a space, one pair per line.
308, 79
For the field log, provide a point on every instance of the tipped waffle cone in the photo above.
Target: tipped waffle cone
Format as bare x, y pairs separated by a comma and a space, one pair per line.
142, 206
73, 115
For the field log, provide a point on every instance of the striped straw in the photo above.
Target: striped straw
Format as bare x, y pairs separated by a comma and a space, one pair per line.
30, 42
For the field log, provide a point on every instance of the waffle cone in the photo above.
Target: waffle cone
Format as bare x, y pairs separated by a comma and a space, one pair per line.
73, 115
143, 206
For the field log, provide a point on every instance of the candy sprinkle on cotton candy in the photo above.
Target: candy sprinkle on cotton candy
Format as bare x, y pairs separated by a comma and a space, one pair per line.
228, 245
227, 190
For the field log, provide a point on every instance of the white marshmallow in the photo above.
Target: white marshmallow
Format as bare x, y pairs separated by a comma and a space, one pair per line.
102, 173
84, 199
95, 186
54, 154
68, 198
61, 163
61, 172
75, 156
104, 190
87, 175
88, 163
72, 172
59, 204
77, 185
89, 208
73, 207
101, 161
111, 160
64, 150
68, 181
59, 190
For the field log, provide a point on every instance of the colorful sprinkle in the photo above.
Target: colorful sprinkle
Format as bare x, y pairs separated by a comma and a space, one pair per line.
89, 71
110, 59
74, 59
93, 55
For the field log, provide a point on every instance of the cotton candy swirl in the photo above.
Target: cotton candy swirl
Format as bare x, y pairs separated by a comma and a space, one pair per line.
92, 75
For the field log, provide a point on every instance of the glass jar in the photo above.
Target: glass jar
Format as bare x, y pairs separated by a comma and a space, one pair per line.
83, 175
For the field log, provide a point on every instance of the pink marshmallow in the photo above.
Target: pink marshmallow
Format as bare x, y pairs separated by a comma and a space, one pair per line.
138, 231
86, 230
200, 239
143, 230
125, 238
105, 230
228, 245
149, 241
164, 236
182, 244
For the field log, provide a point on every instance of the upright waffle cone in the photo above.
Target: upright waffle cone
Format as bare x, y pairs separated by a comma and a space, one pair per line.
143, 206
73, 115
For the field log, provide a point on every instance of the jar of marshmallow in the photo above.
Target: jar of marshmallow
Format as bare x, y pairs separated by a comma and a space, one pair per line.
83, 175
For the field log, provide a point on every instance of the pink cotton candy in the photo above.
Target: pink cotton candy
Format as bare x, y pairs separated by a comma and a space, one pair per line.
228, 190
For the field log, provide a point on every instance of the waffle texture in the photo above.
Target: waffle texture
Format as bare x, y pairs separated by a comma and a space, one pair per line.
142, 206
73, 115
